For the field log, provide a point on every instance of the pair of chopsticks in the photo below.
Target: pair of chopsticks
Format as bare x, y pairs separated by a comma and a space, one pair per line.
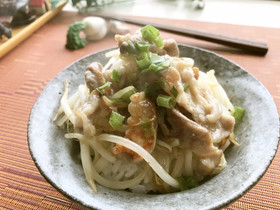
255, 47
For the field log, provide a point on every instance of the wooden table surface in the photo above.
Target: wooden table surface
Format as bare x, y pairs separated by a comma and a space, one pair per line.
26, 70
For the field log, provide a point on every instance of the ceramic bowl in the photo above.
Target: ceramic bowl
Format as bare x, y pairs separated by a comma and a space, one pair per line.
56, 157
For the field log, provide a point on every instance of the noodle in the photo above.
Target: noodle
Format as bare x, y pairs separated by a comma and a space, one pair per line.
88, 128
143, 153
163, 144
188, 163
219, 92
83, 93
101, 150
65, 106
71, 101
178, 166
120, 185
62, 120
87, 166
175, 143
74, 136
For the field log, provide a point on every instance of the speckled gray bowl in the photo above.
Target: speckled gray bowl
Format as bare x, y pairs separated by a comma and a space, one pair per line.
56, 157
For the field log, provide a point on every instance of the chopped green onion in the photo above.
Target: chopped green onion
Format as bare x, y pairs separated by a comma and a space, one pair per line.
166, 101
187, 182
147, 128
152, 35
137, 48
142, 46
158, 63
144, 63
174, 91
132, 48
124, 94
116, 75
116, 120
152, 67
238, 113
106, 84
119, 103
155, 58
116, 100
158, 42
162, 65
186, 86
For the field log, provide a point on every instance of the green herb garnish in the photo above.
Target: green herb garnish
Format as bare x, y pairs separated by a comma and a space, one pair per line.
152, 35
142, 46
116, 75
154, 62
187, 182
186, 86
124, 94
238, 113
116, 120
166, 101
106, 84
174, 91
144, 62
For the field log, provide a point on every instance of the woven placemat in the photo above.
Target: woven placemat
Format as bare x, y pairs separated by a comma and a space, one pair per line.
26, 70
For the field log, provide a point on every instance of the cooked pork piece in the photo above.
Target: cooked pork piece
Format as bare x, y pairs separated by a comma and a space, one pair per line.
127, 68
93, 76
142, 124
171, 48
96, 111
197, 138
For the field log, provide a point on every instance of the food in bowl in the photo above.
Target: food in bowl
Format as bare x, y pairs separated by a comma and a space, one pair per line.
148, 120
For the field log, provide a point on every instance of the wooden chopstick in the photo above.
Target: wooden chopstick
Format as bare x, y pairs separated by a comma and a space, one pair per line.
260, 48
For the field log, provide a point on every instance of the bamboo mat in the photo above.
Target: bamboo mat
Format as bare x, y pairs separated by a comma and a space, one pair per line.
26, 70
